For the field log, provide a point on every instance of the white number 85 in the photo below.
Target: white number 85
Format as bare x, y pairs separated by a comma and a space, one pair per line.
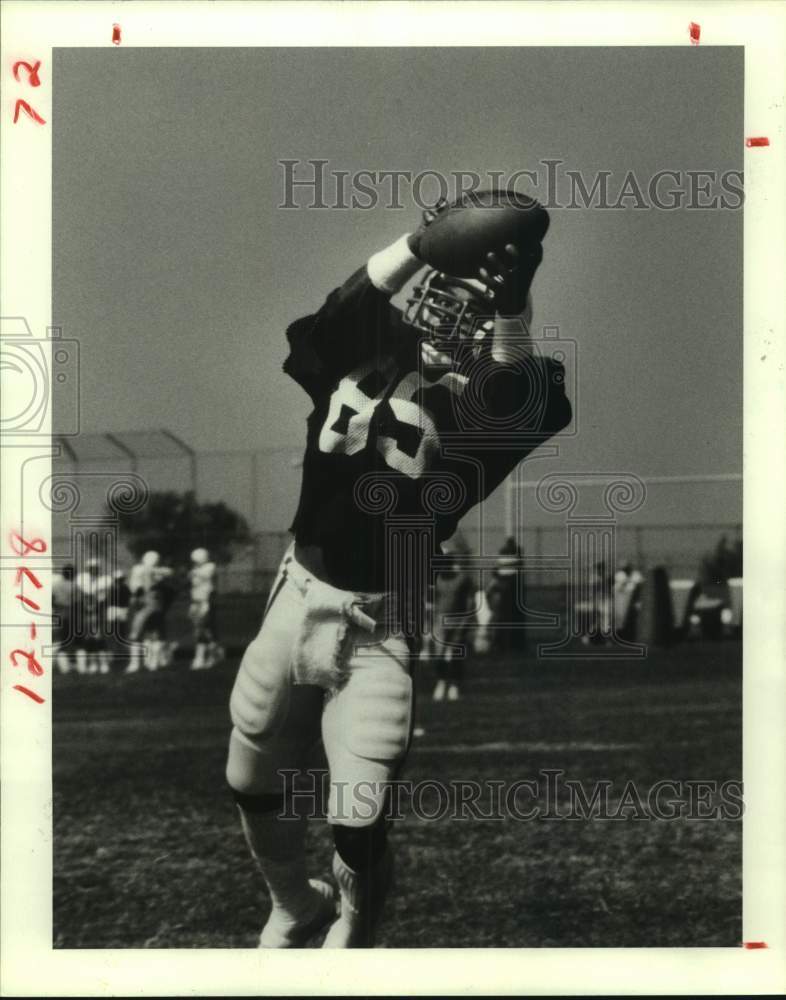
354, 402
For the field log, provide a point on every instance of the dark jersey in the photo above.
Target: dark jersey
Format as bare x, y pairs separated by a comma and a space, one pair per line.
434, 442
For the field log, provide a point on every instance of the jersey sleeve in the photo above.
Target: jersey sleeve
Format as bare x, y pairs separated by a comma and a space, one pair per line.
353, 325
531, 394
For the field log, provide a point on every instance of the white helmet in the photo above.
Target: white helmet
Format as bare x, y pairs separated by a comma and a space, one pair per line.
200, 556
150, 559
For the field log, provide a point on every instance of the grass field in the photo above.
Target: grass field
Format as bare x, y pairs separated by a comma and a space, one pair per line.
148, 851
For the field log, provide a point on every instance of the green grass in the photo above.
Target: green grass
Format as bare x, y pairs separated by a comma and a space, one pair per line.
148, 852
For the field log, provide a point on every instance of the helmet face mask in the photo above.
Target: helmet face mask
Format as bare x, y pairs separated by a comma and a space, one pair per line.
453, 312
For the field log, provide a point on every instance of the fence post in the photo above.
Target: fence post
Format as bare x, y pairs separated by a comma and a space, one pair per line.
539, 550
192, 458
254, 493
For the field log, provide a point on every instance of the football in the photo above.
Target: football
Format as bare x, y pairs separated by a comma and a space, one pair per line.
461, 235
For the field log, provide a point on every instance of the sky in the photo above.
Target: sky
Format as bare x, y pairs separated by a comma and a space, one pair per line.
178, 272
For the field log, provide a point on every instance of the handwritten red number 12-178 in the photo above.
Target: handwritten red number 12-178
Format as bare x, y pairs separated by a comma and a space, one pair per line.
21, 658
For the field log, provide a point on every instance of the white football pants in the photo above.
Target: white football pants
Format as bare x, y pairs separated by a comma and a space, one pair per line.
323, 662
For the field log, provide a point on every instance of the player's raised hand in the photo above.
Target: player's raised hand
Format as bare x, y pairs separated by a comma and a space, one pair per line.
429, 214
509, 273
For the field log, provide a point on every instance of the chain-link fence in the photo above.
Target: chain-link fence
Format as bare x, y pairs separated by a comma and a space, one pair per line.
681, 522
680, 548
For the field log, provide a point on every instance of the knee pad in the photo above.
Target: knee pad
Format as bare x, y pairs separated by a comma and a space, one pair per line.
361, 847
250, 769
261, 692
378, 715
365, 730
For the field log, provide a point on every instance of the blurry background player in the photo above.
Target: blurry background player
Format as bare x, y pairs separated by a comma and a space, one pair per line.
384, 389
594, 614
118, 603
152, 593
627, 584
92, 654
482, 638
202, 610
453, 594
502, 593
63, 596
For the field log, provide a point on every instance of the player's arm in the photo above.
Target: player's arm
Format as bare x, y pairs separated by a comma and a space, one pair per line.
522, 370
509, 274
353, 323
390, 269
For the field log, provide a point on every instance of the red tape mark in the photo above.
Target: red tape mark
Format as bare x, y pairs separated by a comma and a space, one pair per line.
115, 34
754, 944
30, 694
695, 31
757, 140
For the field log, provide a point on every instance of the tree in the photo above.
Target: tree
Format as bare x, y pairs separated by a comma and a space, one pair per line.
174, 524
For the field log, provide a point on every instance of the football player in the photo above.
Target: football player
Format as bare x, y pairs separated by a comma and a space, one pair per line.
63, 596
152, 589
502, 594
92, 655
118, 603
331, 655
201, 610
454, 595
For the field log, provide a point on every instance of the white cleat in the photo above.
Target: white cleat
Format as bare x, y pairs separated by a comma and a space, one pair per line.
283, 931
362, 900
439, 691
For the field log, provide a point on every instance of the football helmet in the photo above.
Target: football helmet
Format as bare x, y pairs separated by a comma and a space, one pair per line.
451, 311
200, 556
